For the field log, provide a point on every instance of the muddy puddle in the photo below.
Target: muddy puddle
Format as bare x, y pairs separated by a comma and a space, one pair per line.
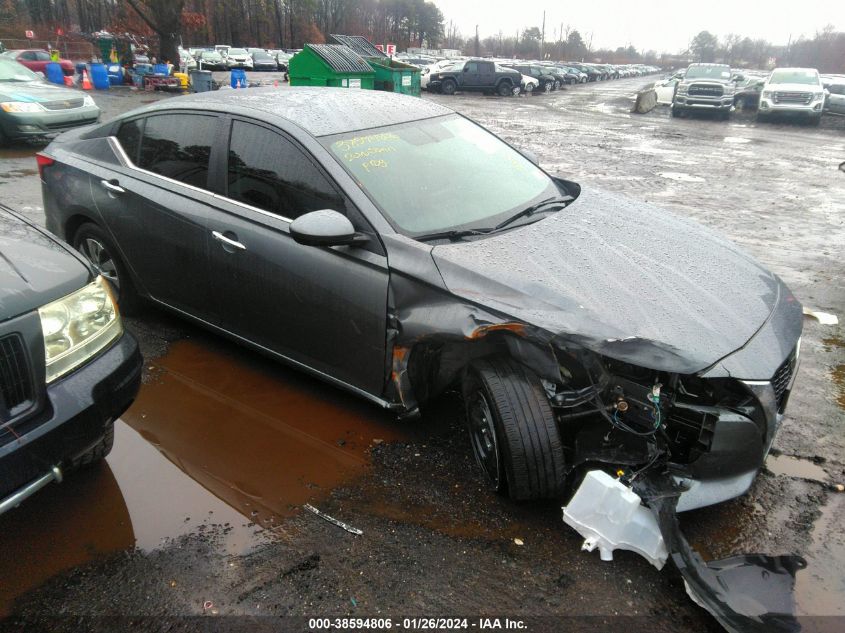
790, 466
217, 437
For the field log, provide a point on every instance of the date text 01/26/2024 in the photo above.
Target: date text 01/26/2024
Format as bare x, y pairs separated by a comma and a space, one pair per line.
415, 624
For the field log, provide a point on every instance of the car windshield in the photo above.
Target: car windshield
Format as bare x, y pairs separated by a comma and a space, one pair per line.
237, 51
441, 174
807, 77
708, 72
12, 71
262, 56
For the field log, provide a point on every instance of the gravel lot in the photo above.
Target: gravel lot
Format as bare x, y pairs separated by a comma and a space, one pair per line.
197, 511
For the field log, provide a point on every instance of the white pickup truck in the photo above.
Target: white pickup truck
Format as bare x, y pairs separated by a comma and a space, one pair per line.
792, 91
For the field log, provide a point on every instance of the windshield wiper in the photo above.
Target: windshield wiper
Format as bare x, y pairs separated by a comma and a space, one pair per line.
561, 201
452, 235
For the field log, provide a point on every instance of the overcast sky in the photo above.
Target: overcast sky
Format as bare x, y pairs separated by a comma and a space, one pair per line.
647, 24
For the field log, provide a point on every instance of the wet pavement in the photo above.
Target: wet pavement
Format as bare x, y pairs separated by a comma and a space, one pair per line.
197, 511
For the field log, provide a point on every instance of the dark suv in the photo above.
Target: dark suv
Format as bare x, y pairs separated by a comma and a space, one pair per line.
480, 75
67, 368
545, 76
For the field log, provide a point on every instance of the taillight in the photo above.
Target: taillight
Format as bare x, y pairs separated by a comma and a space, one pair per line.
43, 161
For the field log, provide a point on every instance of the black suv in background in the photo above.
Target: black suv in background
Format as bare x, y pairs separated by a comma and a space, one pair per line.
479, 75
67, 368
548, 81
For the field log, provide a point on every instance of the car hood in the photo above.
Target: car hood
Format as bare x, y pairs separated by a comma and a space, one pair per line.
35, 269
35, 91
625, 279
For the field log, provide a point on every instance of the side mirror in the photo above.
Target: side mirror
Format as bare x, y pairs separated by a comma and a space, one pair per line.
842, 167
324, 228
530, 156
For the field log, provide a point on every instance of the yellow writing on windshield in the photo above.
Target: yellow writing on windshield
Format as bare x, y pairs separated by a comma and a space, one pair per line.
347, 145
366, 153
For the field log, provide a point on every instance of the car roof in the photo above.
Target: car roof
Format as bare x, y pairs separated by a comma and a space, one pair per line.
317, 110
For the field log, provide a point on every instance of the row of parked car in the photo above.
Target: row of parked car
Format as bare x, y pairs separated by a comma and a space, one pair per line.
222, 57
782, 91
505, 77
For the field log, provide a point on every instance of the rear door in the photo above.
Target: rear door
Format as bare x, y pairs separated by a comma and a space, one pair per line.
322, 307
486, 74
155, 204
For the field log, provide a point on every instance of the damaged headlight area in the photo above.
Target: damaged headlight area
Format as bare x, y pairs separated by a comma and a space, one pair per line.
630, 417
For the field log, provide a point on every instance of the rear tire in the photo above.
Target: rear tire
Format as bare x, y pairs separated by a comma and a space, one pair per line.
101, 253
448, 87
504, 89
513, 430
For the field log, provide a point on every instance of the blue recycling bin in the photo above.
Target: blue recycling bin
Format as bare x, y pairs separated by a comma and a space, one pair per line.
54, 73
238, 78
115, 74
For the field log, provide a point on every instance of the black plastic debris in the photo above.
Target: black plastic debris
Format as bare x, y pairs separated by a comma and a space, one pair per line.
751, 593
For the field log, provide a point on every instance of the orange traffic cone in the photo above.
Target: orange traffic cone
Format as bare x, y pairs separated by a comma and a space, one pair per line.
86, 83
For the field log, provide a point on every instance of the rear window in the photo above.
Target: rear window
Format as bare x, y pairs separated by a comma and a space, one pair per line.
178, 146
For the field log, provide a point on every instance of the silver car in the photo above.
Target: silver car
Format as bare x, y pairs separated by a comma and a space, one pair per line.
29, 106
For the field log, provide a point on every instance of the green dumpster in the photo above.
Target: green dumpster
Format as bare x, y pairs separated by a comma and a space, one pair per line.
330, 65
394, 76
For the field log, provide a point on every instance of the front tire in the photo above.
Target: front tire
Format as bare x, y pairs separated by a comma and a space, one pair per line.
556, 86
101, 253
513, 430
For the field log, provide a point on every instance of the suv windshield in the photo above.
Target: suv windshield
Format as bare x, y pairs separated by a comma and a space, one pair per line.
236, 51
13, 71
808, 77
441, 174
708, 72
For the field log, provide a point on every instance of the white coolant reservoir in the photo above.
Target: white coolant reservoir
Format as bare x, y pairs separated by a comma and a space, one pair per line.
610, 516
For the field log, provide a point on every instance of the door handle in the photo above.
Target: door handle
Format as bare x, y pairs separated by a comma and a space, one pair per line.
217, 235
112, 186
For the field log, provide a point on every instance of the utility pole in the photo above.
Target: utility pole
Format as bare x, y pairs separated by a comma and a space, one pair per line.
543, 37
477, 53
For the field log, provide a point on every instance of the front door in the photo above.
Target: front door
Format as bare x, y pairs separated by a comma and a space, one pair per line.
324, 307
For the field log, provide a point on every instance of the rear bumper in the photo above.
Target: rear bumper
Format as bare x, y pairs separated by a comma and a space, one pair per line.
78, 410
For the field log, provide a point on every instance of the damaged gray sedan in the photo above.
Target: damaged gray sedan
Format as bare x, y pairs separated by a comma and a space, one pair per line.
396, 249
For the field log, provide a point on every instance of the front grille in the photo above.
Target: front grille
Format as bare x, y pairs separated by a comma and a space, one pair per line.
781, 380
65, 104
697, 90
793, 97
15, 380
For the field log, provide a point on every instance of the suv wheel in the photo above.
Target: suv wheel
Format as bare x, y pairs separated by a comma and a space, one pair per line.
505, 89
513, 430
448, 87
101, 253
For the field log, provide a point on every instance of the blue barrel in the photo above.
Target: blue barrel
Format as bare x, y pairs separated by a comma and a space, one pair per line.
99, 76
54, 73
238, 78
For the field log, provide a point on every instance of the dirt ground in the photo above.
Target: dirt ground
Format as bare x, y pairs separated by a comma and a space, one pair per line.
195, 521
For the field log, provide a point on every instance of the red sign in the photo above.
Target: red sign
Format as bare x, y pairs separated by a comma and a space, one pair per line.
30, 35
380, 47
60, 32
390, 49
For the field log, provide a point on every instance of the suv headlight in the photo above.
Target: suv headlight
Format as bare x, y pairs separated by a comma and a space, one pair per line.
817, 96
21, 106
78, 326
767, 94
682, 89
